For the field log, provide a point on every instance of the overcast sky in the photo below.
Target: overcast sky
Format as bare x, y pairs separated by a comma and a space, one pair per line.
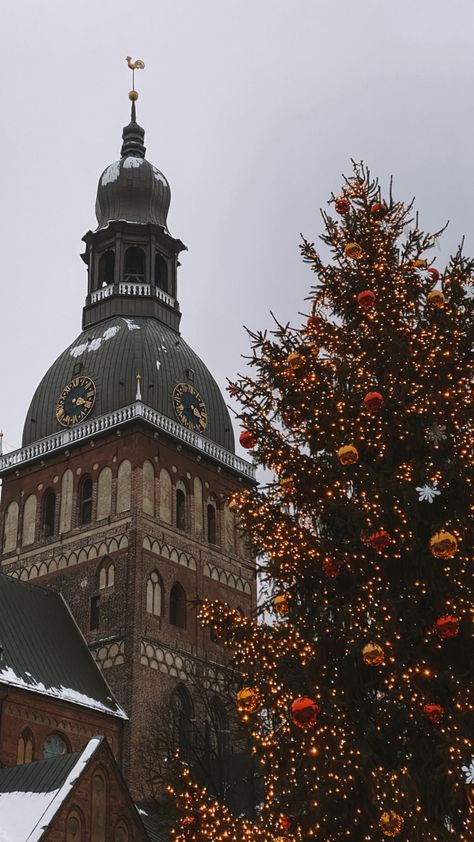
252, 110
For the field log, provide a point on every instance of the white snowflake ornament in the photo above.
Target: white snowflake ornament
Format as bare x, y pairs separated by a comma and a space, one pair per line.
427, 492
469, 291
436, 433
469, 772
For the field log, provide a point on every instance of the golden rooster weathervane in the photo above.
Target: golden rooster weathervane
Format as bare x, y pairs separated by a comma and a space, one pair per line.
134, 65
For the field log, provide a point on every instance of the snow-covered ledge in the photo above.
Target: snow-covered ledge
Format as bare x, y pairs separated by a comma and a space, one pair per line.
82, 432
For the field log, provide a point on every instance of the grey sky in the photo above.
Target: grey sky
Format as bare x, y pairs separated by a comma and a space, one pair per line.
252, 109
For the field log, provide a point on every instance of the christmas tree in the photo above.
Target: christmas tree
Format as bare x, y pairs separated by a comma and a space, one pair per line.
357, 690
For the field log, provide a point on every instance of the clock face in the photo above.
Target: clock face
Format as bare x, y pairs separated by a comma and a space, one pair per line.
75, 401
189, 407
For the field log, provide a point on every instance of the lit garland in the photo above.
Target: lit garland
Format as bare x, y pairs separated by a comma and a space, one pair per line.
357, 414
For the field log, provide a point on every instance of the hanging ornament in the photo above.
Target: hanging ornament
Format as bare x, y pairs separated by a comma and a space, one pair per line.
373, 401
248, 700
314, 323
427, 493
390, 823
378, 210
366, 298
433, 712
447, 626
436, 433
295, 360
286, 823
378, 540
342, 205
419, 263
304, 712
436, 298
281, 604
348, 454
373, 654
331, 567
354, 251
434, 274
287, 485
248, 439
443, 544
313, 349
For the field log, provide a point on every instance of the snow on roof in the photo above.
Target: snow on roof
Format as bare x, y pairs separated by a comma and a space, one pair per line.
25, 815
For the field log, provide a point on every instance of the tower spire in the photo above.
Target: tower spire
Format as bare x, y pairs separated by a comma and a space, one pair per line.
133, 134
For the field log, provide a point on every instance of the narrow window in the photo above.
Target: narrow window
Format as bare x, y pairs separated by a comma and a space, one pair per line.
220, 727
73, 828
134, 266
178, 606
180, 509
95, 613
154, 594
182, 722
98, 808
49, 513
106, 268
85, 500
161, 273
211, 524
106, 576
25, 748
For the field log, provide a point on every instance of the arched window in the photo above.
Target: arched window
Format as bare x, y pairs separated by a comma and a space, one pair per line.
134, 265
178, 606
74, 827
49, 514
182, 721
10, 532
211, 524
24, 752
106, 268
54, 745
106, 574
85, 500
220, 731
98, 804
180, 509
161, 272
154, 594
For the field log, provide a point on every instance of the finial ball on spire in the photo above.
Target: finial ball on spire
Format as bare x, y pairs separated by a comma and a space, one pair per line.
133, 96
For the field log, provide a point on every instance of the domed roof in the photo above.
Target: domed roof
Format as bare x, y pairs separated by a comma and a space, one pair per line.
131, 188
111, 354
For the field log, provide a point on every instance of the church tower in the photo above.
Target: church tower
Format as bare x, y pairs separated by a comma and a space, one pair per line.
117, 497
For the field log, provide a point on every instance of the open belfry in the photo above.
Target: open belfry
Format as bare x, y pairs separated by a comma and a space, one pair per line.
118, 497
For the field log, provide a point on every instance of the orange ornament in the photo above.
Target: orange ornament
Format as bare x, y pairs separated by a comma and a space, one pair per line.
281, 604
373, 401
354, 251
443, 544
366, 298
295, 360
304, 712
436, 298
248, 439
372, 654
248, 700
434, 712
390, 823
348, 454
447, 626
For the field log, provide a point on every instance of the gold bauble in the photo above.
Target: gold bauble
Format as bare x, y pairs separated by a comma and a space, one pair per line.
280, 603
354, 251
443, 544
248, 700
372, 654
133, 96
295, 360
390, 823
436, 298
348, 454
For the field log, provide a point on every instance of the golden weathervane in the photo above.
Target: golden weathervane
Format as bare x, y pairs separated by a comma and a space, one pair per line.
134, 65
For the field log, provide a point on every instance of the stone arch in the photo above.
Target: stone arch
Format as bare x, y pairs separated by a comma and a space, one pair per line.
148, 488
124, 486
104, 493
74, 826
65, 509
29, 520
197, 507
10, 531
165, 496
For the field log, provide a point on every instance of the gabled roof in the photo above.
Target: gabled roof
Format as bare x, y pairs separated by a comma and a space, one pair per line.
31, 795
42, 649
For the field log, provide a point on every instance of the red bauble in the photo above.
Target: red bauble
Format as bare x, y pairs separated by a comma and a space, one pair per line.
248, 439
434, 712
286, 822
331, 567
379, 540
434, 274
366, 298
313, 324
342, 205
373, 401
378, 210
304, 712
447, 626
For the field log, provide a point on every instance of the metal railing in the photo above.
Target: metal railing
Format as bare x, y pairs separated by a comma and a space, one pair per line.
132, 288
